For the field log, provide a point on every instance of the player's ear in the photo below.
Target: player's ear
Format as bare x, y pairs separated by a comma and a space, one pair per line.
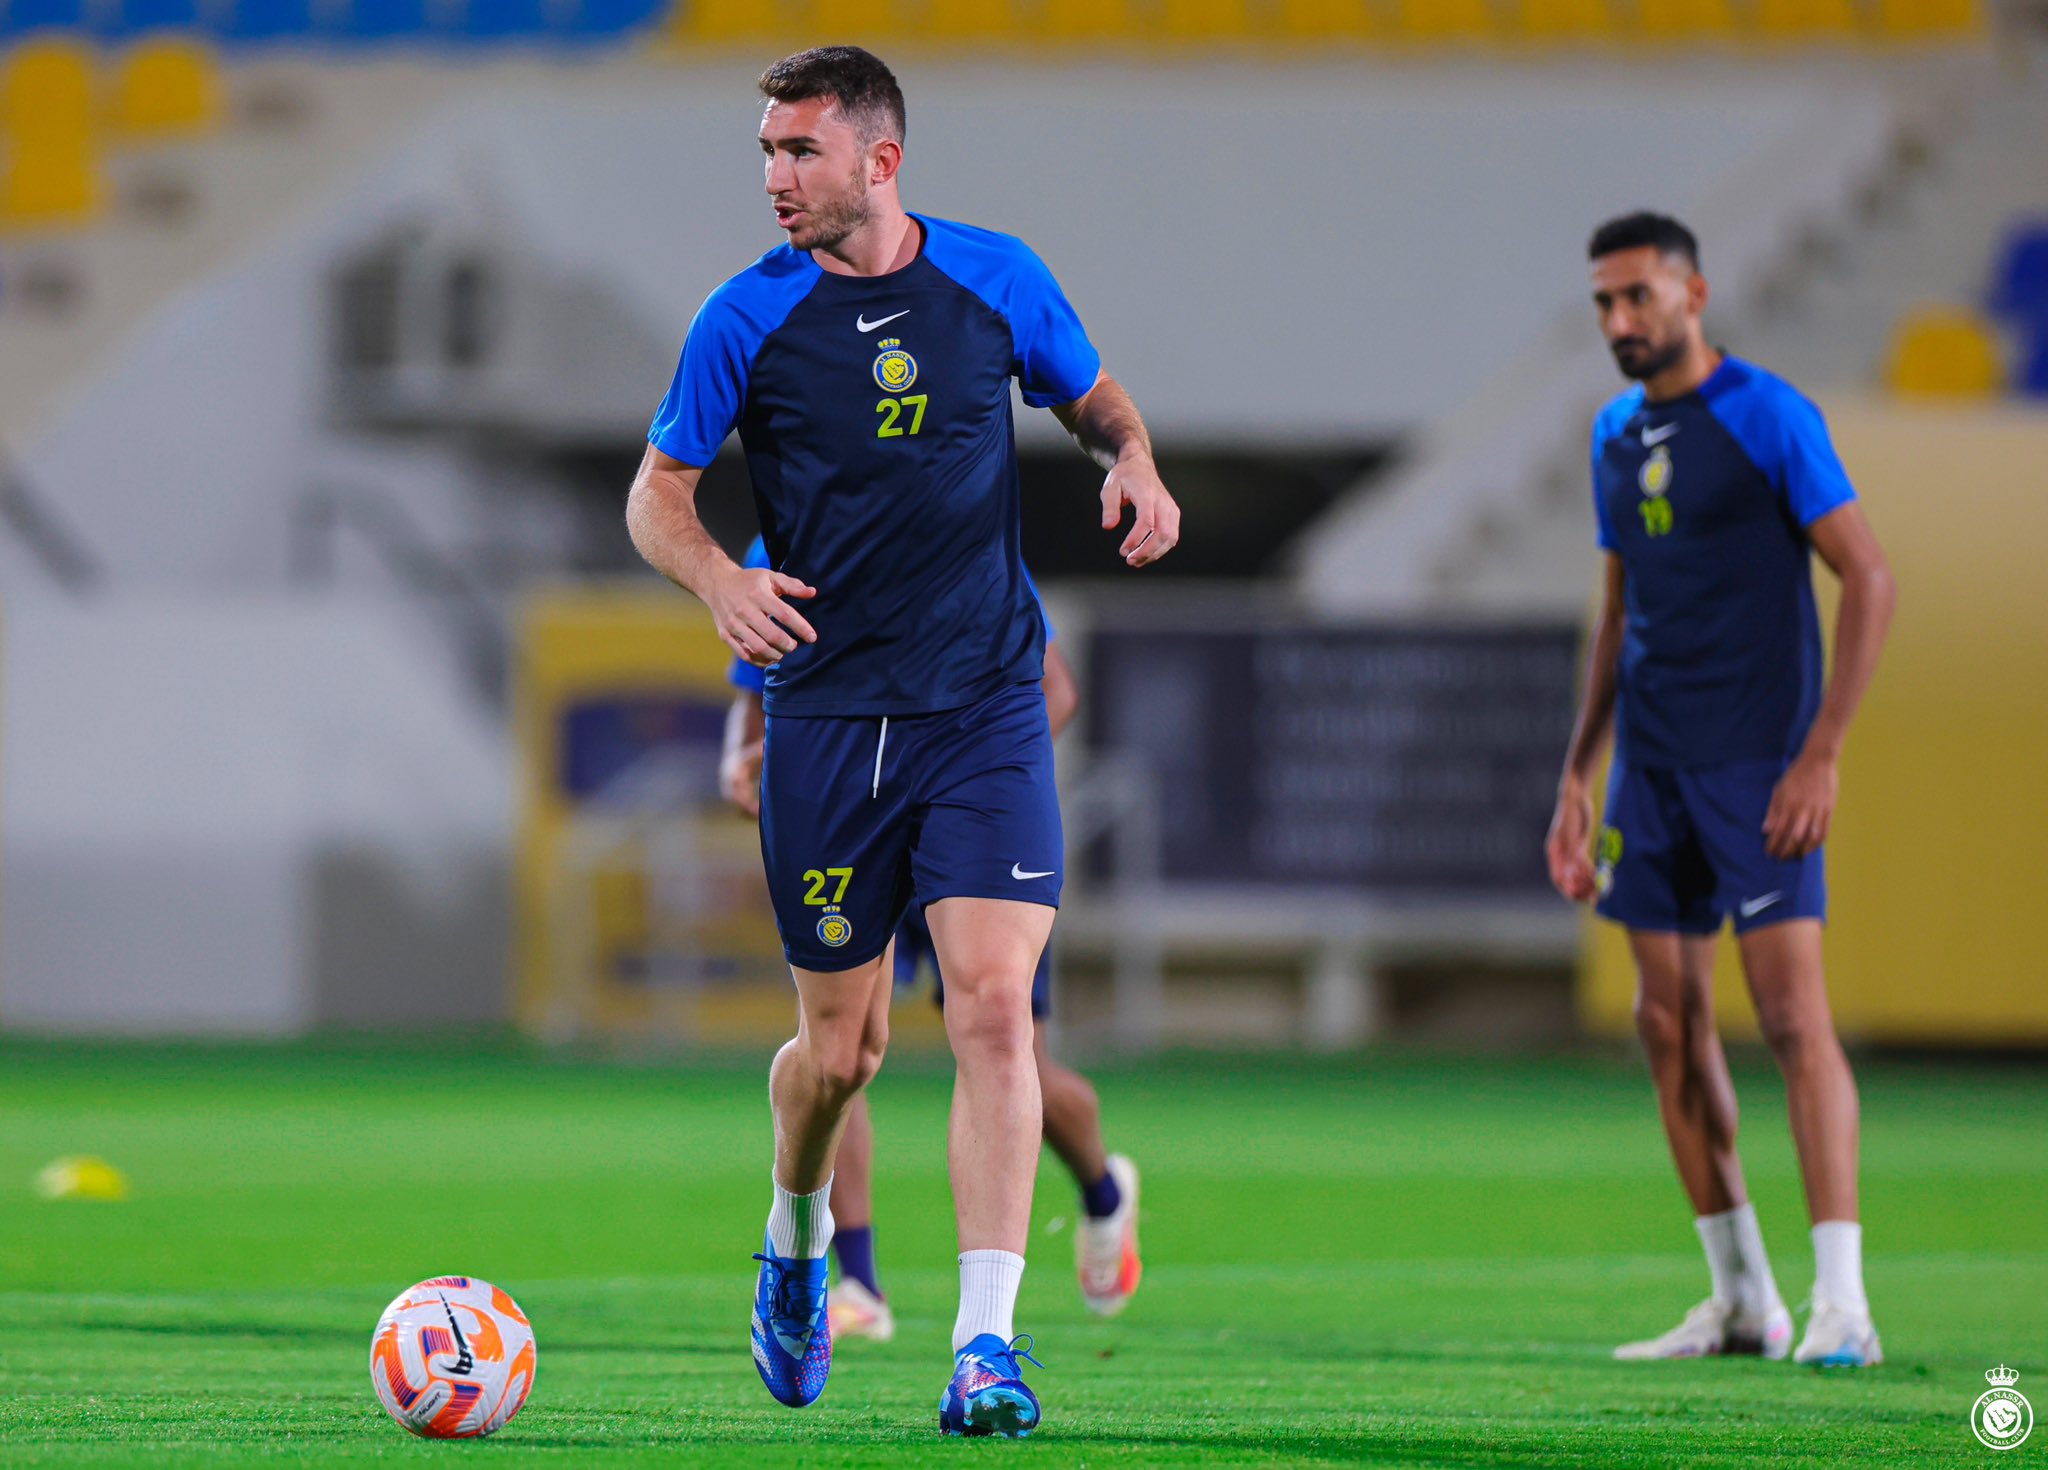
884, 159
1696, 293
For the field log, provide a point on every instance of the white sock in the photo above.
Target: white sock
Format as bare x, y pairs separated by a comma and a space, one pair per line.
1724, 1261
800, 1225
1735, 1257
988, 1295
1756, 1290
1838, 1264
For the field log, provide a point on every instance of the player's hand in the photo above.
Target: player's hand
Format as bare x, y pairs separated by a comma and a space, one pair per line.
739, 777
752, 618
1802, 806
1156, 529
1569, 847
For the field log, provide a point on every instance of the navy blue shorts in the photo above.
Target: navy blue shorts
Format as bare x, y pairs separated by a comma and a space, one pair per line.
914, 947
861, 816
1683, 850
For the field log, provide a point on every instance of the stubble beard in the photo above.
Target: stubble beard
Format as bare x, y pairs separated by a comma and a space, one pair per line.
833, 224
1648, 364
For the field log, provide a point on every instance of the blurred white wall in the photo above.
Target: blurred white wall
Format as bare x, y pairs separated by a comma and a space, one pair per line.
197, 792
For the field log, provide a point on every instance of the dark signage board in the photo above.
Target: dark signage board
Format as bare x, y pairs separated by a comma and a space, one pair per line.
1395, 758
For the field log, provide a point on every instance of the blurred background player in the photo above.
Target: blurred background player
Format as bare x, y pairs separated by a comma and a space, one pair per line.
1712, 480
1106, 1242
907, 755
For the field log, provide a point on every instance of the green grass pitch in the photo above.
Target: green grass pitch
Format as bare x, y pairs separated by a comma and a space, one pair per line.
1389, 1261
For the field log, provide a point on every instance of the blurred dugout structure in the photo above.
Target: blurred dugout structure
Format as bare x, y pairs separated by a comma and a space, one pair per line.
328, 333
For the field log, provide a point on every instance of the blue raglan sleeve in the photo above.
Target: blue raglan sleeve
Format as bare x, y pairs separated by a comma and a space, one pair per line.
1055, 362
1604, 428
1809, 473
745, 676
703, 403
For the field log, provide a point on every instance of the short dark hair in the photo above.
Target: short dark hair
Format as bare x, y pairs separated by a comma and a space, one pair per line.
1633, 231
858, 81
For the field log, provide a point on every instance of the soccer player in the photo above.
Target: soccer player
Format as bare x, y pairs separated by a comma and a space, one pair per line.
1106, 1242
1712, 481
866, 363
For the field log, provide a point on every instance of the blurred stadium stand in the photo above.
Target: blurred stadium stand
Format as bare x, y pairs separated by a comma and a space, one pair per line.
328, 335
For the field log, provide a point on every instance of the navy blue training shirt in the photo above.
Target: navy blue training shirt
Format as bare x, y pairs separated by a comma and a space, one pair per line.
1706, 500
755, 678
875, 416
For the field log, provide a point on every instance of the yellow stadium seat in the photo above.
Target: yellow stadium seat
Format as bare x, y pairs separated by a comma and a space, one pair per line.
1918, 19
1444, 20
46, 90
968, 20
1204, 20
859, 22
1324, 20
1564, 20
50, 181
1947, 352
1684, 20
166, 86
1805, 20
1088, 20
715, 21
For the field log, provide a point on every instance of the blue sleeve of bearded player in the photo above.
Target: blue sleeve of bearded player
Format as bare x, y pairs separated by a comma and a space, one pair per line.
1785, 436
1055, 363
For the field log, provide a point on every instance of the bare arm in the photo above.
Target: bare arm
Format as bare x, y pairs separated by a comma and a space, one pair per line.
746, 605
1803, 805
1568, 850
1062, 690
1105, 423
739, 760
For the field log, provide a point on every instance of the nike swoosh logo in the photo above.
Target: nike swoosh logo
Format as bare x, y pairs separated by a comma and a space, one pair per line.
881, 321
1017, 872
1751, 907
465, 1361
1658, 436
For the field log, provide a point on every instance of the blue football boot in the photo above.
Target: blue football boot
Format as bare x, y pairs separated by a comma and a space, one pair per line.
792, 1331
988, 1394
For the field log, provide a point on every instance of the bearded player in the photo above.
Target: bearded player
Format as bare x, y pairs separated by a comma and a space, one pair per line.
1106, 1258
1713, 482
867, 365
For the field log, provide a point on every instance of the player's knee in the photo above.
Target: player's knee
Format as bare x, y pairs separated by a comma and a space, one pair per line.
989, 1017
1660, 1022
844, 1071
1793, 1033
844, 1059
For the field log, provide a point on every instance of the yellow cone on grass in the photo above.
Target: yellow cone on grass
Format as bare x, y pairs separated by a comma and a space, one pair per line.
82, 1177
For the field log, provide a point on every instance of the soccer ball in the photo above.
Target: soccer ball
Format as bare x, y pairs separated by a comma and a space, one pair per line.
452, 1358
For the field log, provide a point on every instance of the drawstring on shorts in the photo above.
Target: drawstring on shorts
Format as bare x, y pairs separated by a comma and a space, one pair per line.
880, 741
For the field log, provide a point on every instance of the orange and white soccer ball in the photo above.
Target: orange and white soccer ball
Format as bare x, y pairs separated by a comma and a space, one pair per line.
452, 1358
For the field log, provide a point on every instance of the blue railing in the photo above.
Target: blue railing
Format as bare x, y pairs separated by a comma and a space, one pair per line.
342, 23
